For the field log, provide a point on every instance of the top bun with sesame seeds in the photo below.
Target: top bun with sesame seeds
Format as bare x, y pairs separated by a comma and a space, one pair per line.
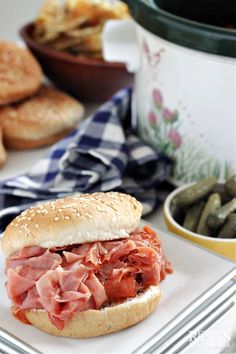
20, 73
73, 220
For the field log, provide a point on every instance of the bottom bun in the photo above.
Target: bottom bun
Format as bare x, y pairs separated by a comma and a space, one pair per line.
26, 144
92, 323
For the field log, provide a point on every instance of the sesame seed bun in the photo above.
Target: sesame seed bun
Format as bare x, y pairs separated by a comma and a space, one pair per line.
40, 120
21, 74
72, 220
3, 154
92, 323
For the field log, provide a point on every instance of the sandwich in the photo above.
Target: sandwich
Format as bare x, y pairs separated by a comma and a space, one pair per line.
82, 266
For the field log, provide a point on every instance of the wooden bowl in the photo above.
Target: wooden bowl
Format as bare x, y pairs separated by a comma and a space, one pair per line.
84, 78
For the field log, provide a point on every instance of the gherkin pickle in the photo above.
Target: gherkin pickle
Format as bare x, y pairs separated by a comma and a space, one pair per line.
230, 186
219, 217
229, 228
177, 213
207, 208
220, 189
213, 203
194, 193
192, 216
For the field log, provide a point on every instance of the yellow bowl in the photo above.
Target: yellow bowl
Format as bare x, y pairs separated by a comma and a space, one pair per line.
225, 247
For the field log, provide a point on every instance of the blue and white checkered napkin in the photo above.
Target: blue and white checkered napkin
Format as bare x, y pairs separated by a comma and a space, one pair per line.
101, 155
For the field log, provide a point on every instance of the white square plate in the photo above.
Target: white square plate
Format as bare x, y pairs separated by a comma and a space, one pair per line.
198, 273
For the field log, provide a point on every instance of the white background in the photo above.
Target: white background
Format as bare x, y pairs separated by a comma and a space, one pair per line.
15, 13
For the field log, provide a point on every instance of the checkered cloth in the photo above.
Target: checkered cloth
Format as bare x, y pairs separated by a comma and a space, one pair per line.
102, 154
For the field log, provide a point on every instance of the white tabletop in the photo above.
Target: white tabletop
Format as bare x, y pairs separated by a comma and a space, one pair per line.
221, 338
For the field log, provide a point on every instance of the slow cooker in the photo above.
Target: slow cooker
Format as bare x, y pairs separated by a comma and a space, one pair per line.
185, 86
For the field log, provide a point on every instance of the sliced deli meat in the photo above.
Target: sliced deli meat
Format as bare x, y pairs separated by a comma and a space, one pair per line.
97, 290
46, 260
28, 252
66, 280
17, 285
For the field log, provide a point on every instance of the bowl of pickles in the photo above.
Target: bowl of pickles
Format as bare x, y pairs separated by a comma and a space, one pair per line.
205, 212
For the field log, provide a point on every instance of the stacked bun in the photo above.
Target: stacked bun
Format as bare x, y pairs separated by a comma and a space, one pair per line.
20, 74
31, 114
41, 120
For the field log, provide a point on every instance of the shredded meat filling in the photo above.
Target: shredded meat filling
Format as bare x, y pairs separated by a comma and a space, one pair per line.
66, 280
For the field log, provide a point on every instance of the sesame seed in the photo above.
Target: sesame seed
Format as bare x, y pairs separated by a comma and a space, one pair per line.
100, 209
67, 217
37, 226
56, 219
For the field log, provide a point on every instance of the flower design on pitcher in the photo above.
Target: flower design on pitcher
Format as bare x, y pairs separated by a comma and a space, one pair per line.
157, 98
170, 116
161, 129
175, 138
152, 118
164, 124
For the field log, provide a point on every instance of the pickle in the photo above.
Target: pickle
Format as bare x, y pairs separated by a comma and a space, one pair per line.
193, 215
220, 189
219, 217
230, 186
229, 228
177, 214
213, 203
194, 193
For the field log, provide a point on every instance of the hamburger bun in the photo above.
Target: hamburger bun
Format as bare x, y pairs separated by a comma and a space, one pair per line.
3, 154
93, 323
20, 73
72, 220
40, 120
